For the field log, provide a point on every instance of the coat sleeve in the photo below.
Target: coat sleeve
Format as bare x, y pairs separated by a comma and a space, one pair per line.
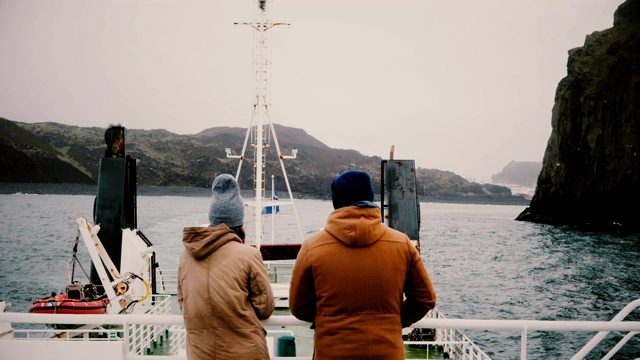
419, 292
261, 296
180, 296
302, 292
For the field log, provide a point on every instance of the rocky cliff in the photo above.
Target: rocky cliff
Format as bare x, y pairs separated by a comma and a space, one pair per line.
591, 167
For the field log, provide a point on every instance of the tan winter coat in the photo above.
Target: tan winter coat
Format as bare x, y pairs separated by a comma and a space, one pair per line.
350, 279
223, 291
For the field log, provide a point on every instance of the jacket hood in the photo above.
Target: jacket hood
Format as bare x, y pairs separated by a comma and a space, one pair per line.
356, 226
201, 242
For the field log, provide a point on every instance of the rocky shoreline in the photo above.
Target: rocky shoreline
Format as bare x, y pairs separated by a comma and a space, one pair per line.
82, 189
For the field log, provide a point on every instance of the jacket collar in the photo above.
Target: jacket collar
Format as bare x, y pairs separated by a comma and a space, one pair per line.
201, 242
356, 226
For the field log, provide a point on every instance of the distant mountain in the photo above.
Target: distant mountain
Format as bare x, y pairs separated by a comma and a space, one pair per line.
523, 173
26, 158
446, 186
169, 159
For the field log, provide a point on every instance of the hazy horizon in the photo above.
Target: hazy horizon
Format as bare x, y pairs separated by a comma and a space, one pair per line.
458, 85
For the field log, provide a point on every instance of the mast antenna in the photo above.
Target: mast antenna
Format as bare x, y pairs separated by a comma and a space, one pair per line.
261, 126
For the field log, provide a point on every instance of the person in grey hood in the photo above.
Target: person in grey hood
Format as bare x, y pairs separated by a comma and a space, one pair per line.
223, 285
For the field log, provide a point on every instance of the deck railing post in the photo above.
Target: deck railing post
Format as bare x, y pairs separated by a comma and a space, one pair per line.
602, 334
125, 348
620, 344
523, 344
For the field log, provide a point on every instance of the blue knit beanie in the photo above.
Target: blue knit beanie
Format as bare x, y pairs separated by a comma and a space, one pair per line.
350, 187
227, 206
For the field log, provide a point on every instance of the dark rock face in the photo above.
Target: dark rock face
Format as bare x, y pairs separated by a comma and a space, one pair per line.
591, 167
26, 158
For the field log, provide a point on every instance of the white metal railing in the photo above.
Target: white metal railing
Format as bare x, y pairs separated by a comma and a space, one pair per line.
454, 341
139, 336
178, 339
281, 268
602, 334
525, 326
142, 336
167, 281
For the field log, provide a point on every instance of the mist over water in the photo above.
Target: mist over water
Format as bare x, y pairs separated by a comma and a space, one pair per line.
484, 264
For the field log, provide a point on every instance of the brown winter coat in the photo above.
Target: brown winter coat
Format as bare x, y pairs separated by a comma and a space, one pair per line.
349, 280
223, 291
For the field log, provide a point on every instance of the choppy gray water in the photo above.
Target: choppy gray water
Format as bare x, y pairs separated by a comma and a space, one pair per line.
484, 265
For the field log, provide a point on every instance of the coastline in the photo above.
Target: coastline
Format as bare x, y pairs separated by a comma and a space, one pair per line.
84, 189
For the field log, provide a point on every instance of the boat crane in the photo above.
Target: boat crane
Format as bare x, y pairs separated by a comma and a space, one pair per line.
116, 284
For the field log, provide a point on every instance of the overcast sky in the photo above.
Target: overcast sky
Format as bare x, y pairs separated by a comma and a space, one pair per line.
458, 85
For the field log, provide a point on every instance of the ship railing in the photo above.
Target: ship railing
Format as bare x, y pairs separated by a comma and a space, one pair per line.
167, 280
178, 340
453, 341
144, 336
279, 269
602, 334
175, 321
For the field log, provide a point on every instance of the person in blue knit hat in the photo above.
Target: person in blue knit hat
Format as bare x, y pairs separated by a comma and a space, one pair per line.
352, 187
357, 280
223, 286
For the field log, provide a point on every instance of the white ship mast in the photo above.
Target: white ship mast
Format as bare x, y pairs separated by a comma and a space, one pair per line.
260, 127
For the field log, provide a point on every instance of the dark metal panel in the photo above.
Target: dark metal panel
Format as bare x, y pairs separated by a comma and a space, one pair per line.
402, 201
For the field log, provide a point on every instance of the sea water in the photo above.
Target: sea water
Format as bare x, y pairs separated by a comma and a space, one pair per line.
483, 263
